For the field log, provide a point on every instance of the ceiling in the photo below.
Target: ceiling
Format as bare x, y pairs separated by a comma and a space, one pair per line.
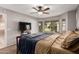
55, 9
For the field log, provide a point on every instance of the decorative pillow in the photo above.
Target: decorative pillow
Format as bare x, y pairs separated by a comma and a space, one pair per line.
66, 34
77, 32
70, 40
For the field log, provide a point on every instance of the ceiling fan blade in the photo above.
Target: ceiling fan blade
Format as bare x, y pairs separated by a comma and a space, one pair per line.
45, 12
46, 9
33, 12
35, 8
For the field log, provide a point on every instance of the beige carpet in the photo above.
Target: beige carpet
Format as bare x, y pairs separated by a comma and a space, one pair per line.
8, 50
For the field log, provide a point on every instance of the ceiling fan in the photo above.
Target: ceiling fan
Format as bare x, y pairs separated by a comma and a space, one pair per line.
41, 10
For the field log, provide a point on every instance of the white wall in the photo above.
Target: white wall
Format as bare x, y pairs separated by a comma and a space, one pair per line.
12, 24
72, 20
77, 17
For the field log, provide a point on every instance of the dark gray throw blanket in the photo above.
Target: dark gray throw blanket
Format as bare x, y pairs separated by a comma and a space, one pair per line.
27, 43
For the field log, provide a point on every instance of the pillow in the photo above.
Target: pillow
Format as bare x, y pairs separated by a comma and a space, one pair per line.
77, 32
66, 34
70, 41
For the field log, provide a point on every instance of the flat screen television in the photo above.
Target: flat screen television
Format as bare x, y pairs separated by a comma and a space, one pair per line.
24, 26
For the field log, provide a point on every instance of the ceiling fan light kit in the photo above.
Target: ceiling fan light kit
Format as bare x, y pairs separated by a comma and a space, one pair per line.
40, 13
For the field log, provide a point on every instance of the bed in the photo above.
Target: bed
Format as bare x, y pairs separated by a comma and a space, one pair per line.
46, 43
26, 42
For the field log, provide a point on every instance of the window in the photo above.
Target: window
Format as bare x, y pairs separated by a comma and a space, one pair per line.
40, 26
63, 25
49, 26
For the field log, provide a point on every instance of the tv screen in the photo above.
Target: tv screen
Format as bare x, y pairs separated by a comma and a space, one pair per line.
24, 26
